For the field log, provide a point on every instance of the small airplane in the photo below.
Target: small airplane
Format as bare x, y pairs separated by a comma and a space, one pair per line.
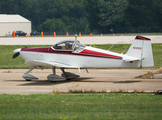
73, 54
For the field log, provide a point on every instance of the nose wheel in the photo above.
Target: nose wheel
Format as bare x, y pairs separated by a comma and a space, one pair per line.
28, 79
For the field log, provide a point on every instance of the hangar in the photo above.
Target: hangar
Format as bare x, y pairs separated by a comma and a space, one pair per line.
10, 23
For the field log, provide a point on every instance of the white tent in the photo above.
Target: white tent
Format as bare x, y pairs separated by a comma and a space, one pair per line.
10, 23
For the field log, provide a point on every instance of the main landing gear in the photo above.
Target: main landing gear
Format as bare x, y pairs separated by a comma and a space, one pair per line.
52, 77
64, 76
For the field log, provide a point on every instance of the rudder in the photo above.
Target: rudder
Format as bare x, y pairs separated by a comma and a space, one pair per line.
141, 48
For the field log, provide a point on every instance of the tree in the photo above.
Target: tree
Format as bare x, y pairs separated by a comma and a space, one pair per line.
105, 13
56, 25
65, 16
157, 6
91, 7
140, 13
111, 12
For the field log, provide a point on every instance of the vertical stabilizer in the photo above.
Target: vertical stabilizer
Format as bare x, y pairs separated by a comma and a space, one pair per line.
141, 48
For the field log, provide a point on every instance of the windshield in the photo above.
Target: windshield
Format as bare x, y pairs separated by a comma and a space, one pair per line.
64, 45
79, 47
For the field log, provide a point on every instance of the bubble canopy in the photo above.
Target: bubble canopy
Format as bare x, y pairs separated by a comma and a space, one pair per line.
69, 45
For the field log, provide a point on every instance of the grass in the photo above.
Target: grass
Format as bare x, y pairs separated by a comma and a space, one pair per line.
150, 74
7, 52
6, 57
81, 106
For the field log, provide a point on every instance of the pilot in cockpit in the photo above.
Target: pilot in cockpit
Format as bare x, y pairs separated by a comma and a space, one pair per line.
68, 46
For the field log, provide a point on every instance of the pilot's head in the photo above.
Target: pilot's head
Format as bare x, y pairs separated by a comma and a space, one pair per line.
68, 46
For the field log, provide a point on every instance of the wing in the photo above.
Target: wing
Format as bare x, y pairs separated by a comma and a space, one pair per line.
48, 64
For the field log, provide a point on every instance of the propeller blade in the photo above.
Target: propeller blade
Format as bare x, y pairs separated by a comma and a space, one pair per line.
15, 55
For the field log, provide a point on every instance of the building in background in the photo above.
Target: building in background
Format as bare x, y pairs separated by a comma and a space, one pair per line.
10, 23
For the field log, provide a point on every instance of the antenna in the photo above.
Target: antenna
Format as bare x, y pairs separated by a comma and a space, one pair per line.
124, 50
111, 47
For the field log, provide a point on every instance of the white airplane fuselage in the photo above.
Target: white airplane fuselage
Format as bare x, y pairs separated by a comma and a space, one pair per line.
89, 58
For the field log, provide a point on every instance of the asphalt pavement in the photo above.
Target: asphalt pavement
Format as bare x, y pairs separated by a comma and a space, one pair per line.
83, 40
108, 80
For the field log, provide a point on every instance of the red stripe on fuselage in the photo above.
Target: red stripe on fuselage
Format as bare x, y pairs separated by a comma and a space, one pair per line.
85, 52
46, 50
99, 54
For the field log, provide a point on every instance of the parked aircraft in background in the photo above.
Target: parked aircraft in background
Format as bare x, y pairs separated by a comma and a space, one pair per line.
73, 54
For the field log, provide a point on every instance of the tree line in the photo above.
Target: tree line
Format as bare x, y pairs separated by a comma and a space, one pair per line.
100, 16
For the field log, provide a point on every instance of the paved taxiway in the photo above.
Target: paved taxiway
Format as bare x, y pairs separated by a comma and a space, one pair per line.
83, 40
11, 81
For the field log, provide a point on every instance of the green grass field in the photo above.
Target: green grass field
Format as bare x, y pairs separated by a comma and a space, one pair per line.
81, 106
6, 61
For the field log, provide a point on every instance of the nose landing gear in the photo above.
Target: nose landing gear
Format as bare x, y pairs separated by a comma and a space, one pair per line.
27, 76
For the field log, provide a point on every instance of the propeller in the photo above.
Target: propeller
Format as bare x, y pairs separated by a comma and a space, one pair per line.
16, 54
